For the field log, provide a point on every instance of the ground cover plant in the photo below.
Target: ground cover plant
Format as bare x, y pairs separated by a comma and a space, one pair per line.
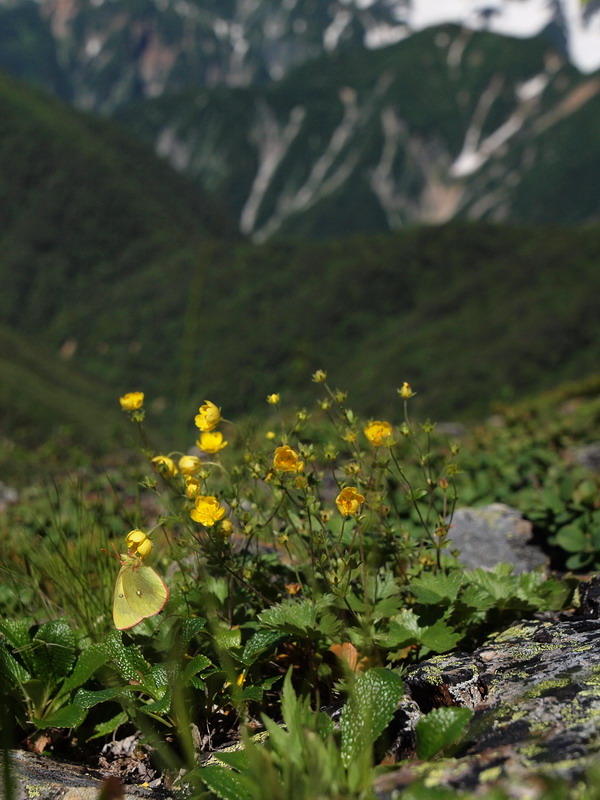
265, 588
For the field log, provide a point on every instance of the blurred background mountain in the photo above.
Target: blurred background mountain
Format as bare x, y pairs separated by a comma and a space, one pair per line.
221, 197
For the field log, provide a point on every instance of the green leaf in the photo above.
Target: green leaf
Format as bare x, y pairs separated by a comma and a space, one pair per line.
129, 661
439, 637
88, 662
291, 617
370, 707
579, 560
89, 699
111, 725
253, 693
571, 538
228, 638
431, 589
70, 716
217, 587
10, 669
404, 630
225, 783
439, 729
236, 759
259, 643
187, 630
54, 652
160, 706
193, 667
16, 632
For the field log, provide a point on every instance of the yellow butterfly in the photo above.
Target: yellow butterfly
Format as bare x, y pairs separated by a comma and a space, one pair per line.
140, 592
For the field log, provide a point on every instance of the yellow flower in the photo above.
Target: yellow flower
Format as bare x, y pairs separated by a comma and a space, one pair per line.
349, 501
138, 543
349, 436
165, 465
379, 433
189, 464
207, 510
226, 529
208, 416
292, 588
132, 401
320, 376
211, 442
192, 486
273, 399
287, 460
405, 392
271, 435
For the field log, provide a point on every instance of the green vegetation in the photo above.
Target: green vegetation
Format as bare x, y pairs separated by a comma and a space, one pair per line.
308, 560
118, 272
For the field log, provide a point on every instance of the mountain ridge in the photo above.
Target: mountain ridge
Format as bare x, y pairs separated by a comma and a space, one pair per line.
438, 127
99, 55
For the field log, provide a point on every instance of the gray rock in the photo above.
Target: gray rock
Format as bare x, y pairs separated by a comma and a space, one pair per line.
486, 536
588, 455
535, 692
41, 778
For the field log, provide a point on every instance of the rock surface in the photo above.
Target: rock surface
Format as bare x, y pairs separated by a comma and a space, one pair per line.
488, 535
535, 693
41, 778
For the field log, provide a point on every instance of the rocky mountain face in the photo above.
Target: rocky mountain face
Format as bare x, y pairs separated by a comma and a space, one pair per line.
295, 116
447, 124
101, 53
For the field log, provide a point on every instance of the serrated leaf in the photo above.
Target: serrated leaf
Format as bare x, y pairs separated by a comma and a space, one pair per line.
404, 630
253, 693
237, 759
193, 667
129, 661
160, 706
431, 589
10, 669
111, 725
439, 729
54, 652
499, 584
369, 709
70, 716
88, 699
225, 783
228, 638
329, 625
259, 643
16, 632
187, 630
476, 598
439, 637
290, 616
88, 662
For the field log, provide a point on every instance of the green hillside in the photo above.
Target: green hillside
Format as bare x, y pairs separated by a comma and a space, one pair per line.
471, 313
111, 259
42, 396
93, 228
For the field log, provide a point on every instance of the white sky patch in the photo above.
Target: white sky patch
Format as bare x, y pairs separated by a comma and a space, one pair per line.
520, 18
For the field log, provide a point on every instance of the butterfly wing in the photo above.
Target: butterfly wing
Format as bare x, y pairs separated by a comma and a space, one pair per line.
140, 592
